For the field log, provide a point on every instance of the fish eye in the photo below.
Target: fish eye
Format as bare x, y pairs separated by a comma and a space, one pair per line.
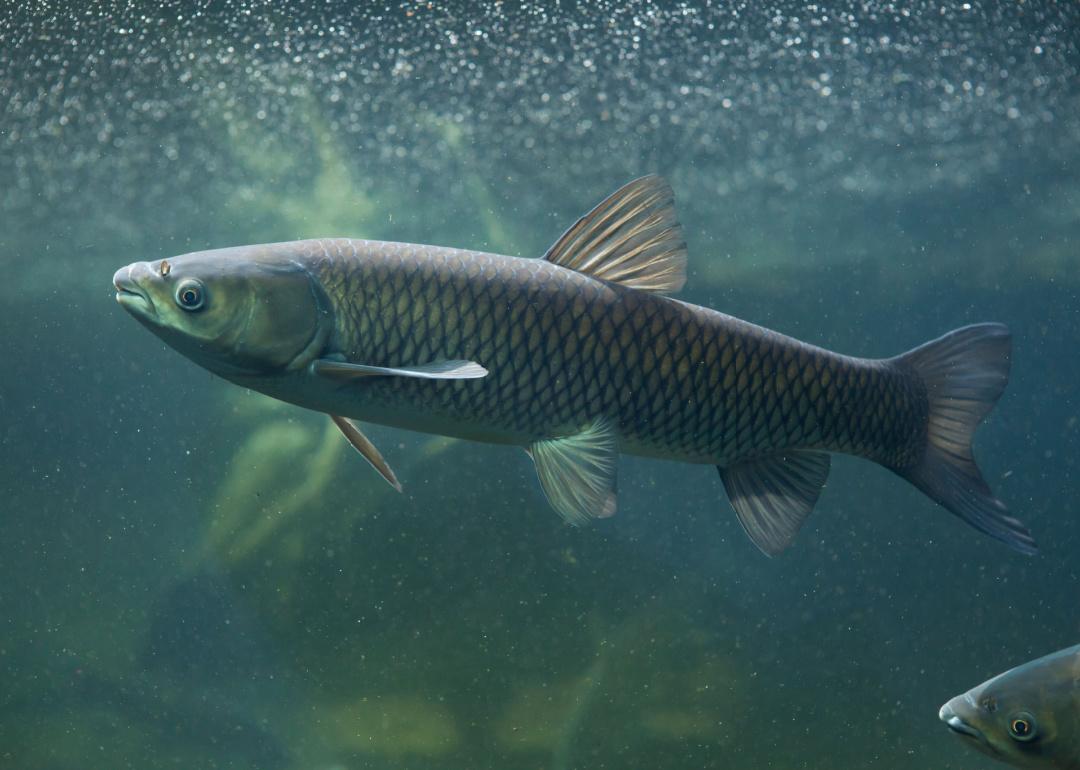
1022, 726
189, 294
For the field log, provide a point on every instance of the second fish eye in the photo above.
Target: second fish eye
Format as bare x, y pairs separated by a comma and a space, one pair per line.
1022, 727
189, 294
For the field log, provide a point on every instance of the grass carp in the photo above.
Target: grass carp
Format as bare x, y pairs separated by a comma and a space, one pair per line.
576, 357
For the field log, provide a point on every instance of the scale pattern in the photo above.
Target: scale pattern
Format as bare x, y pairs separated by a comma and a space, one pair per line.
562, 349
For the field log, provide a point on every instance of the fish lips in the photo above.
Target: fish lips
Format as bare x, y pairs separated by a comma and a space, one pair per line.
132, 297
956, 723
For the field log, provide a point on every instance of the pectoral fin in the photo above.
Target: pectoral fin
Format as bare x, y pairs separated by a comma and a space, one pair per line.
434, 370
773, 495
363, 445
578, 472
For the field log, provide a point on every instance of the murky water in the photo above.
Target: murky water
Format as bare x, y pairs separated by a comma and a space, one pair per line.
194, 576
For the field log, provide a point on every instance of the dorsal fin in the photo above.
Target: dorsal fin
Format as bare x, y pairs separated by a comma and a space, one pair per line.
632, 238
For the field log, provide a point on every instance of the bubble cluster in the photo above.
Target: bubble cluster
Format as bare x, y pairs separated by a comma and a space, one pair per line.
150, 101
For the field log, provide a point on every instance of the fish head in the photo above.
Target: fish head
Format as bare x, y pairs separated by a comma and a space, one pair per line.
1025, 717
248, 311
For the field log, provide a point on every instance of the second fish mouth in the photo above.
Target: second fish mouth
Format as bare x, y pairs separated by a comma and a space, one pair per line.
958, 725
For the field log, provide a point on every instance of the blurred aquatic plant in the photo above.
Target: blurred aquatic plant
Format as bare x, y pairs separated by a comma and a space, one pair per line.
329, 203
287, 467
278, 471
395, 726
549, 716
651, 678
497, 232
320, 190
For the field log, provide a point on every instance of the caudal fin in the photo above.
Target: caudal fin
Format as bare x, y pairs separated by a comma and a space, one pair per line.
965, 373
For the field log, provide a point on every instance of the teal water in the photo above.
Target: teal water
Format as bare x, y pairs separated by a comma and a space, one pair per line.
194, 576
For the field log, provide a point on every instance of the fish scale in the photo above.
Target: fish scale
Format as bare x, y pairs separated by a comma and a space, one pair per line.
680, 381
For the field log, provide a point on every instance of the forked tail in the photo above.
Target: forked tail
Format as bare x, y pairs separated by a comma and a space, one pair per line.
965, 373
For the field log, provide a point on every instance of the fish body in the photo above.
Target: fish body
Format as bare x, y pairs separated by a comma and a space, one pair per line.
1027, 717
675, 380
576, 357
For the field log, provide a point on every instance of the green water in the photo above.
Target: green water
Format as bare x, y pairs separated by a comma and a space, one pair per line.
194, 576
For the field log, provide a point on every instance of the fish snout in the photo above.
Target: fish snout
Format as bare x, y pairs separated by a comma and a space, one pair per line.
945, 713
951, 715
130, 292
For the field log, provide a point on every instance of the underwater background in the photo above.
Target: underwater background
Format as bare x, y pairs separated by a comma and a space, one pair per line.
195, 576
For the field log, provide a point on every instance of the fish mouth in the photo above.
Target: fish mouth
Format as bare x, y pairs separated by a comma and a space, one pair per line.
130, 295
957, 725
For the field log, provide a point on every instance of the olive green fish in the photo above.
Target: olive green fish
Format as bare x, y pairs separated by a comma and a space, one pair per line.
576, 357
1027, 717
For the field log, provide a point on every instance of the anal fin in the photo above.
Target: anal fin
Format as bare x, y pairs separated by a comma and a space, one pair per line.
577, 472
363, 445
773, 495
